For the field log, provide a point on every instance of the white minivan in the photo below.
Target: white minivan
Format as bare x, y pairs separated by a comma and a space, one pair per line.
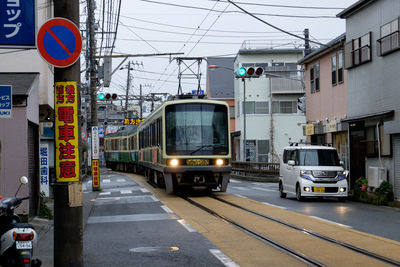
312, 171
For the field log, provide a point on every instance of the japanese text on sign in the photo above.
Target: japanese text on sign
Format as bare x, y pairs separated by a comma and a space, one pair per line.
66, 132
95, 173
17, 22
44, 168
5, 101
132, 121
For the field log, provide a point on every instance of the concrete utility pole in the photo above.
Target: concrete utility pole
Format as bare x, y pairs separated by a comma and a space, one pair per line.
68, 223
128, 85
92, 65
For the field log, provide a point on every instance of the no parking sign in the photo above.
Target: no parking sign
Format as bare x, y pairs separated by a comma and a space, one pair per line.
59, 42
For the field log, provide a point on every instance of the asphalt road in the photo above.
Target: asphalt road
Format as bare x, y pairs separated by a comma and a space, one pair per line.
128, 226
378, 220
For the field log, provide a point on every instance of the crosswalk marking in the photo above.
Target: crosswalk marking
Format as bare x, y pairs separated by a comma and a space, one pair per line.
187, 226
223, 258
121, 180
144, 190
106, 181
123, 192
234, 181
264, 189
240, 188
104, 193
167, 210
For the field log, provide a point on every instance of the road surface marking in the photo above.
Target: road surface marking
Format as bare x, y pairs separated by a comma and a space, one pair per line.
187, 226
121, 180
240, 188
106, 180
269, 204
123, 192
167, 210
153, 249
264, 189
104, 193
131, 218
124, 200
223, 258
325, 220
144, 190
234, 181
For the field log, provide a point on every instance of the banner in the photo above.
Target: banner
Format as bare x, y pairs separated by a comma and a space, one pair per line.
66, 132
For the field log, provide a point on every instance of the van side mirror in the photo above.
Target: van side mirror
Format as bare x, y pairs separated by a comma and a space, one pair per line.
291, 162
341, 163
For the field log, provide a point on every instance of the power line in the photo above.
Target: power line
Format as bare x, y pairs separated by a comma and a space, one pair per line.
269, 24
259, 14
285, 6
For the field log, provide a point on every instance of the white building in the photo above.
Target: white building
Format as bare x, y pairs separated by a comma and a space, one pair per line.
271, 115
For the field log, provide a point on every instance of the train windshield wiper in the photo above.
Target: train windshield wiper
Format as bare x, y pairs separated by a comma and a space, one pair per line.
204, 146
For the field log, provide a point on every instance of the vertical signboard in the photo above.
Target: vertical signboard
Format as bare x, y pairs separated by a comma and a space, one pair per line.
95, 175
44, 169
95, 159
17, 23
66, 132
5, 101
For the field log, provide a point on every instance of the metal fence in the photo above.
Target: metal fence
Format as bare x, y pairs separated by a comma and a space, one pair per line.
262, 171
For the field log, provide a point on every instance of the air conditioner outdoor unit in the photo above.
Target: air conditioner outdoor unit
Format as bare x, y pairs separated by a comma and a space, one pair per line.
376, 176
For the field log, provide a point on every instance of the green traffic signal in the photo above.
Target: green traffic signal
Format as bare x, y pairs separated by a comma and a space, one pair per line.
101, 96
241, 71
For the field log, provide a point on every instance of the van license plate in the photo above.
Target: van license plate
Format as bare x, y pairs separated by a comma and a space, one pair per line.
319, 189
23, 244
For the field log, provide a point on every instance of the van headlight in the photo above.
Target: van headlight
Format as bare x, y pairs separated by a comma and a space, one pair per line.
173, 162
306, 175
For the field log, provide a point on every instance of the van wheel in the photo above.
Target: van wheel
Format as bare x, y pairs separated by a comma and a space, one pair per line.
281, 193
298, 193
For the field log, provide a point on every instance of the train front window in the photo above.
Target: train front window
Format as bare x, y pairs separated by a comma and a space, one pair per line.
196, 129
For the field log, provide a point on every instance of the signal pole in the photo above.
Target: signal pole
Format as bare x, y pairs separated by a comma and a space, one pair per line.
68, 222
92, 65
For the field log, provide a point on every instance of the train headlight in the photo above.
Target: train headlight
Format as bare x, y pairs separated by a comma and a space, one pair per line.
219, 162
173, 162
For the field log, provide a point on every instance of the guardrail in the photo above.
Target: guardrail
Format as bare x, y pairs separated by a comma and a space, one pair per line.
255, 171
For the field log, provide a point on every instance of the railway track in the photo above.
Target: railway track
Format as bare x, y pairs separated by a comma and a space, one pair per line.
299, 255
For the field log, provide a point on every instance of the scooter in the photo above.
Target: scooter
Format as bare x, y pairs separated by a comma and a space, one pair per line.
17, 239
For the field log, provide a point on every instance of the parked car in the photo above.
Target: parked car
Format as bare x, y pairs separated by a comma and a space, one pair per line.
312, 171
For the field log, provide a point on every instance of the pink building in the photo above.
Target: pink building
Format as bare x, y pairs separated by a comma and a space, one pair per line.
326, 97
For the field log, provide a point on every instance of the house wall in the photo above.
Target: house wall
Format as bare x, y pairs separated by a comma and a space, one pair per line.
375, 86
330, 101
285, 126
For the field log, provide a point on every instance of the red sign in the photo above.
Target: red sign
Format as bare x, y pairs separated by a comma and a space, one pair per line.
95, 173
59, 42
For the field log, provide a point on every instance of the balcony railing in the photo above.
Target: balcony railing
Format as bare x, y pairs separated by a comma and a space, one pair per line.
286, 86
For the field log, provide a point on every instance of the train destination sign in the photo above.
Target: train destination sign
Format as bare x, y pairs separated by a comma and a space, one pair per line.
132, 121
59, 42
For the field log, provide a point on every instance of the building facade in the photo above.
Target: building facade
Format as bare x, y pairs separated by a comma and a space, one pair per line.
326, 97
266, 107
32, 122
372, 57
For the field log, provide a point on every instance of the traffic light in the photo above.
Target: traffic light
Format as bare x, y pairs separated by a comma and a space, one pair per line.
101, 96
111, 96
249, 72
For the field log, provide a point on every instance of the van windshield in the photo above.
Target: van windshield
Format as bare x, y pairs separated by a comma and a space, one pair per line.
318, 157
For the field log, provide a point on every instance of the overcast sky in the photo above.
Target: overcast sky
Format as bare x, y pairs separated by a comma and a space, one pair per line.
149, 27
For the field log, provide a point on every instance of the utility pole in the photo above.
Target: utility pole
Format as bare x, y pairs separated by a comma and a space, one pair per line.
141, 103
92, 65
68, 222
128, 85
244, 121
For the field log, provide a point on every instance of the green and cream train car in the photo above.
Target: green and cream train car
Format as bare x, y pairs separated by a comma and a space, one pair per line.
184, 143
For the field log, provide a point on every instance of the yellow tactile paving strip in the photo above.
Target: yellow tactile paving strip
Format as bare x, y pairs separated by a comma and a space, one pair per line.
248, 251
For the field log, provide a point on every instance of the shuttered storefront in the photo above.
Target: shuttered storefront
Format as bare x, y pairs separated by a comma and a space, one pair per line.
396, 152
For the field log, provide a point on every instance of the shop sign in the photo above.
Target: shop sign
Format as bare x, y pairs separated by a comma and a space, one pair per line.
66, 132
331, 127
44, 169
309, 129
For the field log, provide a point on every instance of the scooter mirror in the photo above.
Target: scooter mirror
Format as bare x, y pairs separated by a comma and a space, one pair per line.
23, 180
